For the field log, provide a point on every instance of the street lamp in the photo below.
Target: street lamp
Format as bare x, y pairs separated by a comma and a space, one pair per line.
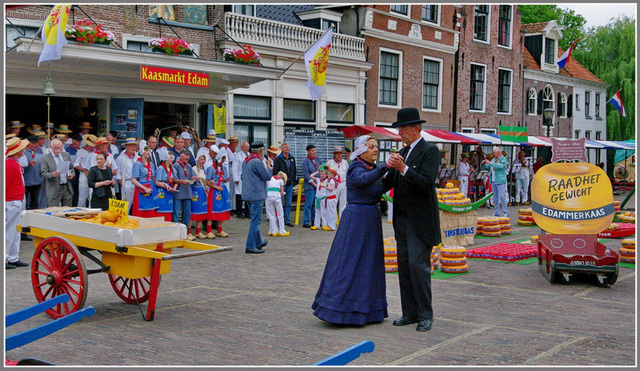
547, 121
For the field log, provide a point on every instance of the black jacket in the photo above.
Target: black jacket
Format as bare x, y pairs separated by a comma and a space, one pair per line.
280, 164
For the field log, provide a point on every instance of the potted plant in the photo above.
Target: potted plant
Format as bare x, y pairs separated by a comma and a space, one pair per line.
171, 46
86, 32
246, 55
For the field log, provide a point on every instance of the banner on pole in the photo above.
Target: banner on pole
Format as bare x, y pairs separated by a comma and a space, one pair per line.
518, 134
316, 59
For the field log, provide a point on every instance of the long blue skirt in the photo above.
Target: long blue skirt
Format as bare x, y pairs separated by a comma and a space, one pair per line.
353, 288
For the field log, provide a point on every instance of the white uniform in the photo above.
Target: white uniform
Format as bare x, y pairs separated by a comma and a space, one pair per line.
523, 177
341, 193
321, 192
231, 161
237, 171
273, 205
464, 172
125, 167
330, 204
83, 184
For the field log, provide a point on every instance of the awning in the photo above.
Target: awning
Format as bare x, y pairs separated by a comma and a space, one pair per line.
376, 131
443, 134
482, 138
95, 71
617, 145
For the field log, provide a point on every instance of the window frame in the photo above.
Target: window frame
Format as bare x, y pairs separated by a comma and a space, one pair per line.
290, 119
353, 110
562, 105
587, 134
484, 86
487, 25
533, 97
439, 87
437, 17
549, 91
577, 134
508, 112
257, 118
597, 106
253, 7
549, 53
577, 107
407, 14
509, 45
587, 104
399, 79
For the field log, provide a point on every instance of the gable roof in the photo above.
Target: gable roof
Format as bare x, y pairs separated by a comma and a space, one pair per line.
533, 27
573, 68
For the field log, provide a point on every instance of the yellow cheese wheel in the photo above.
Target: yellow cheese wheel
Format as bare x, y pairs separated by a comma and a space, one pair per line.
453, 261
455, 268
453, 251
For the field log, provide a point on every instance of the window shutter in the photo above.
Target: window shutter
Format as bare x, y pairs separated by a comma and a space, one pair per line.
570, 106
526, 106
540, 102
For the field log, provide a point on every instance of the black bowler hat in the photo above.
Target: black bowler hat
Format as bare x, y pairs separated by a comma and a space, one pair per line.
408, 116
310, 146
257, 144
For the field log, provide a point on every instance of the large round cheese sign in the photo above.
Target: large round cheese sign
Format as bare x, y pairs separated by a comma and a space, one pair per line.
572, 198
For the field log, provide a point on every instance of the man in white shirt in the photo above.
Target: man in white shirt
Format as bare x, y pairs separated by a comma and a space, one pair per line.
523, 169
125, 166
237, 179
81, 155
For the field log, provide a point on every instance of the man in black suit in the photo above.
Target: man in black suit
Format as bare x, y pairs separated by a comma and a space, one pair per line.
416, 219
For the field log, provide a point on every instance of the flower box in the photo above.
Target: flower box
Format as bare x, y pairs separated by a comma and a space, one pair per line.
246, 55
86, 32
171, 46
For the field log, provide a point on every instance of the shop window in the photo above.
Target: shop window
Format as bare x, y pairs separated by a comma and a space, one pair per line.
504, 91
598, 135
549, 50
481, 23
430, 13
476, 94
252, 132
249, 10
532, 102
14, 31
250, 107
389, 78
431, 84
137, 46
340, 113
299, 110
504, 25
400, 9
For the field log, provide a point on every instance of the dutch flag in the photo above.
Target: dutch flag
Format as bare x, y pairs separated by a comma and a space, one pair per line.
566, 56
617, 103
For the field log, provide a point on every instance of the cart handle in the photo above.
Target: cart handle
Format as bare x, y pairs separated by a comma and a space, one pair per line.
196, 253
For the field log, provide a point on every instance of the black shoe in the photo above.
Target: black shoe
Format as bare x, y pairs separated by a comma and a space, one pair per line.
289, 224
8, 265
240, 216
253, 251
403, 321
424, 325
306, 226
264, 243
18, 263
24, 237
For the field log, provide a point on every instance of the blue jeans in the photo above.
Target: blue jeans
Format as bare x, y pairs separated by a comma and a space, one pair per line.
309, 206
288, 195
185, 206
500, 197
255, 212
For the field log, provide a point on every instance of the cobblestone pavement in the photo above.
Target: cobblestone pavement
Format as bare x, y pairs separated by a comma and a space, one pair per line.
237, 309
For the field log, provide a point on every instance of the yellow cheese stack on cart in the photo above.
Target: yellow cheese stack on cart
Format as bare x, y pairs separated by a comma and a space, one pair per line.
505, 225
628, 251
525, 217
435, 258
390, 255
453, 259
616, 206
491, 226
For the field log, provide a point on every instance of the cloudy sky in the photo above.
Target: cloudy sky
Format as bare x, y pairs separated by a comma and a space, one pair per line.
599, 14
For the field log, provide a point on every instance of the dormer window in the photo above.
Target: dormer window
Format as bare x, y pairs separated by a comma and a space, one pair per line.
549, 51
249, 10
321, 19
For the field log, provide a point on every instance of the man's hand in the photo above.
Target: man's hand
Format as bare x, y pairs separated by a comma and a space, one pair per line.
55, 174
396, 161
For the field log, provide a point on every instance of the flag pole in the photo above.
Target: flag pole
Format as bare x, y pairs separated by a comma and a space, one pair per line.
286, 69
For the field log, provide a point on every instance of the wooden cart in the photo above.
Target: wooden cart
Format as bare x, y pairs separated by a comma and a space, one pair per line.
135, 259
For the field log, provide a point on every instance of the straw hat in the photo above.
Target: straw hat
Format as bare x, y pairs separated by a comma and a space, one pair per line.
60, 136
333, 170
9, 136
465, 155
34, 129
64, 129
129, 141
15, 145
85, 125
282, 176
168, 141
338, 149
40, 134
234, 139
101, 140
211, 138
274, 150
90, 139
16, 124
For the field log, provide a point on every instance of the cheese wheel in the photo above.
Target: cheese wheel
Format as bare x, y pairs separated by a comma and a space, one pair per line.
491, 234
527, 212
628, 260
525, 222
460, 268
453, 261
627, 252
628, 243
452, 251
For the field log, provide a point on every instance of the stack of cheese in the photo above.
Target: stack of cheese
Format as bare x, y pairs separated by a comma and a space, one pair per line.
435, 258
616, 206
505, 225
491, 226
451, 195
613, 227
390, 255
627, 217
453, 259
534, 239
628, 251
525, 217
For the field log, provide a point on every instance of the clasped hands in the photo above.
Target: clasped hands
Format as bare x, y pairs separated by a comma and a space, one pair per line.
396, 161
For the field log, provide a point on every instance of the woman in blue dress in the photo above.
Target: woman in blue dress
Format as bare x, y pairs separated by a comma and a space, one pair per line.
165, 185
352, 290
219, 201
143, 178
199, 198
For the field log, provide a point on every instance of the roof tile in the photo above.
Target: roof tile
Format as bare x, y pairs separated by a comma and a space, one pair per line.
534, 27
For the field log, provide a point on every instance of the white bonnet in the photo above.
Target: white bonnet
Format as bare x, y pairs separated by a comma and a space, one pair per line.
360, 146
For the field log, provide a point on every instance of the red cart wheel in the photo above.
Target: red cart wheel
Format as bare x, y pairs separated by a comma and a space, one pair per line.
129, 289
57, 268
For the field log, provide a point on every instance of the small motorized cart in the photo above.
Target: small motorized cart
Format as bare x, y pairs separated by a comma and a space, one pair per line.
134, 259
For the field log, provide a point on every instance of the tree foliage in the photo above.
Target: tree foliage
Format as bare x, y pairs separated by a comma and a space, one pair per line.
573, 23
609, 53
